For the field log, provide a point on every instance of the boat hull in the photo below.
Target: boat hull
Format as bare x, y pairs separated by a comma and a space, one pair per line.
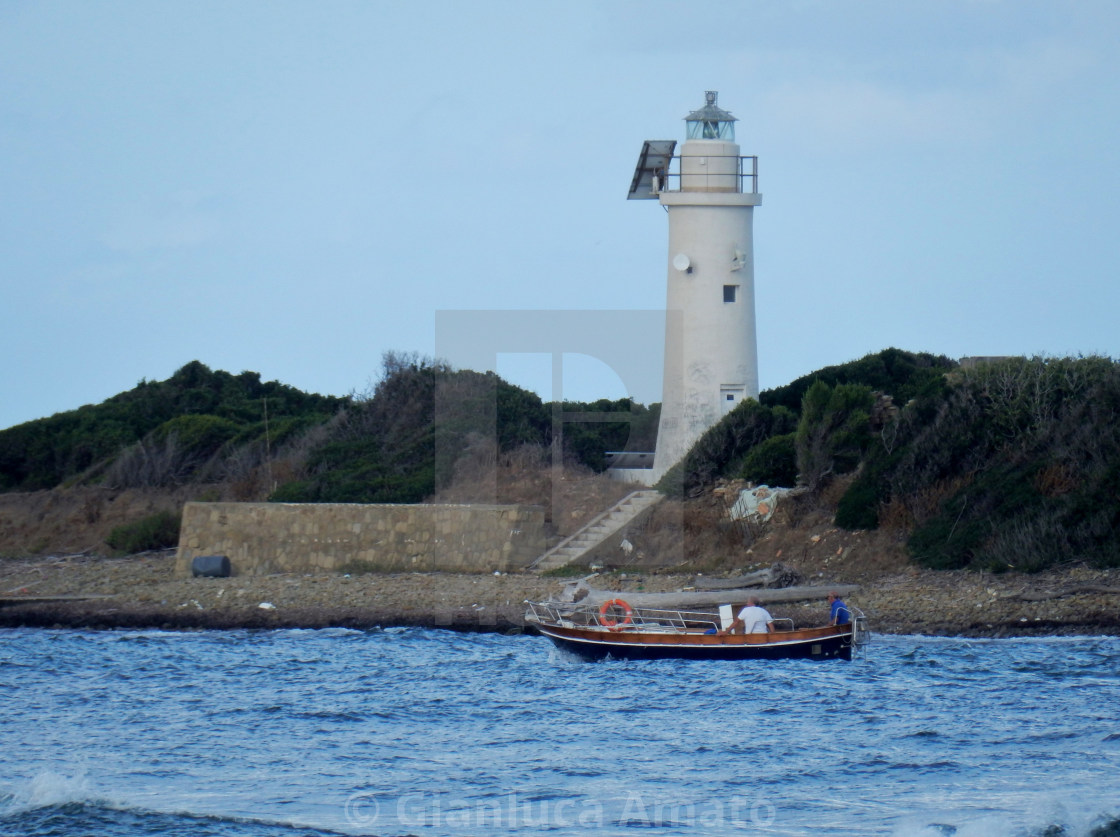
812, 644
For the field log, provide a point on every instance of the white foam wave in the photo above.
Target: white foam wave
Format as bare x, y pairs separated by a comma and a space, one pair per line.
1041, 818
44, 790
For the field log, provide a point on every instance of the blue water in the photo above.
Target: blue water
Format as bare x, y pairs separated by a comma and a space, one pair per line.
430, 732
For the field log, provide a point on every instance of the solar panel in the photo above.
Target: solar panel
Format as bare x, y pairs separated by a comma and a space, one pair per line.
652, 162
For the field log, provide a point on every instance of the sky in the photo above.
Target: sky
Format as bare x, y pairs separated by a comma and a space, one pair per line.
296, 188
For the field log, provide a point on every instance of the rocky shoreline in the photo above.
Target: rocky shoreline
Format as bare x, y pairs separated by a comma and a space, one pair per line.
143, 592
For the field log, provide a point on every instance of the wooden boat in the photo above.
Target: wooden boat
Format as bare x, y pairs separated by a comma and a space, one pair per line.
619, 631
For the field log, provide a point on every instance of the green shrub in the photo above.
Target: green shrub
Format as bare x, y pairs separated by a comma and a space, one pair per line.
722, 450
589, 440
834, 430
859, 507
157, 531
945, 543
671, 483
902, 375
198, 435
772, 462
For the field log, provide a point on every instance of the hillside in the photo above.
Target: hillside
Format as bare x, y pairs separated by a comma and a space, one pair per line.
875, 475
1006, 466
198, 425
246, 439
112, 477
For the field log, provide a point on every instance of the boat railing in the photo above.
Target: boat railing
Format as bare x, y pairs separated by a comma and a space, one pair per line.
645, 619
634, 619
861, 635
649, 620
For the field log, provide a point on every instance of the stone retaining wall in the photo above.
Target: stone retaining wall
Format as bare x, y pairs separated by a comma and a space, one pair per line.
263, 538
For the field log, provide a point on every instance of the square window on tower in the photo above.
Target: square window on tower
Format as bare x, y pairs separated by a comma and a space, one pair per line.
729, 292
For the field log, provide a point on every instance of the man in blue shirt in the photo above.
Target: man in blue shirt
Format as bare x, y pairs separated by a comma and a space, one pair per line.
838, 613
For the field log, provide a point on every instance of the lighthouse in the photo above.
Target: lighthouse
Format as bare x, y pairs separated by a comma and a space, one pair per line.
709, 192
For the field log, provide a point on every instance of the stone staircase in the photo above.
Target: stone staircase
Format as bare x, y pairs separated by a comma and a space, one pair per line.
598, 530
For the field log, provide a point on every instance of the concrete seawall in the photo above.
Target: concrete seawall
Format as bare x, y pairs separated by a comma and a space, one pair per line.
265, 538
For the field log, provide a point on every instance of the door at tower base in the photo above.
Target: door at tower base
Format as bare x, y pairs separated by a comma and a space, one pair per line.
730, 397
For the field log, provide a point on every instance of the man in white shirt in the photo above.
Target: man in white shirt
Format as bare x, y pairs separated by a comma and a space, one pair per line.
753, 619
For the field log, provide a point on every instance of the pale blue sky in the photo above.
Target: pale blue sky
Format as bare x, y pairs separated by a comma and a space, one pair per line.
296, 187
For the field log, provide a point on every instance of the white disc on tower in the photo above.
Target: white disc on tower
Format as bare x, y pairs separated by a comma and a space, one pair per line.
681, 262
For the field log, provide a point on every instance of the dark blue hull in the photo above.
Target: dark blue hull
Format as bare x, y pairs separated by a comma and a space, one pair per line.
624, 646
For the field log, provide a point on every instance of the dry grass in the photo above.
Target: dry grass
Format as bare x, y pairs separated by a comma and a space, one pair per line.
571, 495
693, 536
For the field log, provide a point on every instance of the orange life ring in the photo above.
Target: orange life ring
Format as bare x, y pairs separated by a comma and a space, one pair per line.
612, 624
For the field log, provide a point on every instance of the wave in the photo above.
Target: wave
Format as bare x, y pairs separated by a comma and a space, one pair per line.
45, 790
112, 821
1102, 825
51, 804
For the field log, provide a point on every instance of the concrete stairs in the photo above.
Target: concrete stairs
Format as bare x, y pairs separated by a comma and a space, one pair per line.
598, 530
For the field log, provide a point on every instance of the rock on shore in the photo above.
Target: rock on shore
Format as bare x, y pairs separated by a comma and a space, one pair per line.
142, 591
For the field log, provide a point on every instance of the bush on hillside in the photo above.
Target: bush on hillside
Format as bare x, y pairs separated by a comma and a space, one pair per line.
858, 508
834, 431
722, 449
772, 462
1016, 465
1045, 493
900, 374
157, 531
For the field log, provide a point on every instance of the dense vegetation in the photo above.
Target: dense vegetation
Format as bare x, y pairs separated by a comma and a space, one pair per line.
750, 438
902, 375
1009, 464
809, 429
424, 420
397, 443
161, 433
1015, 465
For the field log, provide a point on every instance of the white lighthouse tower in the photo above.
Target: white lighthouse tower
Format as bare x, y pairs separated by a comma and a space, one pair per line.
711, 355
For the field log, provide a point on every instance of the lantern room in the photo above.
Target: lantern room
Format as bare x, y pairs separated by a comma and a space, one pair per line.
710, 122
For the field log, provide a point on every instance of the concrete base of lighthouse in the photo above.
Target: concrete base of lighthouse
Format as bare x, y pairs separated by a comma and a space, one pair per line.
641, 476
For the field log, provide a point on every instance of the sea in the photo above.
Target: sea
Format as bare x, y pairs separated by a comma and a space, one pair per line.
418, 732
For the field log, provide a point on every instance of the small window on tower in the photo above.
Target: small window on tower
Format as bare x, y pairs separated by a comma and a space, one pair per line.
729, 292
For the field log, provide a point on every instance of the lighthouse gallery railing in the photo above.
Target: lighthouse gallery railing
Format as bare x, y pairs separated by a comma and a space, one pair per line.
745, 172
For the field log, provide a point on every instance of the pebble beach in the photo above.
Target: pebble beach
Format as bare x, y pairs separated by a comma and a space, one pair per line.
143, 592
